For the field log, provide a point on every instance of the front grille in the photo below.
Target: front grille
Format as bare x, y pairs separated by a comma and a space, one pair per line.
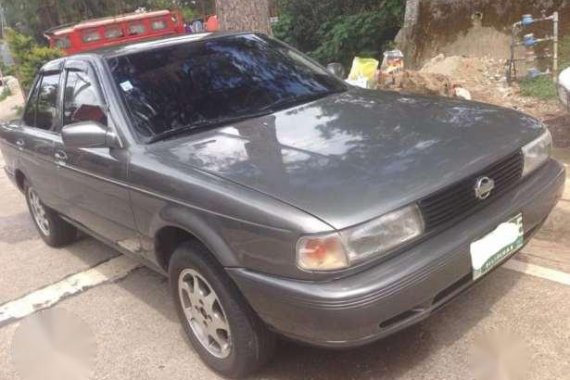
459, 200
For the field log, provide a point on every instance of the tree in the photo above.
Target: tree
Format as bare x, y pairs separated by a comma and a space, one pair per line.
244, 15
338, 30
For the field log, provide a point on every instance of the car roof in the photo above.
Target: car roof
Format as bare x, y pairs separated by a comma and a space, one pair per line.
137, 47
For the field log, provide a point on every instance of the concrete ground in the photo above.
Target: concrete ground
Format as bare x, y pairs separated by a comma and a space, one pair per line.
137, 334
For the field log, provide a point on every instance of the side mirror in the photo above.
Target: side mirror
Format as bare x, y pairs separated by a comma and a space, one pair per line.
89, 134
337, 70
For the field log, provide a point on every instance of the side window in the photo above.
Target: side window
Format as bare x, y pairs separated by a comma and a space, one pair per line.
112, 32
63, 42
81, 100
47, 102
136, 28
158, 24
91, 36
29, 117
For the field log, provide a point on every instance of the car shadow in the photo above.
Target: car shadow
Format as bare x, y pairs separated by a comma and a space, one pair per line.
391, 357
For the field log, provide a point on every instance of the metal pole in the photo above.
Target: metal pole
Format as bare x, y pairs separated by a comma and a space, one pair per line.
2, 20
555, 51
2, 47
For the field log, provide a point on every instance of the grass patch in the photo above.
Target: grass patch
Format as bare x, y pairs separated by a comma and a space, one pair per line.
540, 87
5, 92
543, 87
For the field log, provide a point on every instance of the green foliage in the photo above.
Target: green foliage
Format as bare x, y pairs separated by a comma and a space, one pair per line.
5, 93
189, 14
7, 70
29, 56
19, 44
541, 87
338, 30
34, 60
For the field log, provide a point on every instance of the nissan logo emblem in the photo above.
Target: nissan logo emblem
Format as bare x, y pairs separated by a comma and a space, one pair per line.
483, 187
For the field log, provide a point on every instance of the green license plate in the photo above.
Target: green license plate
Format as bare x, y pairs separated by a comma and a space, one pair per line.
493, 248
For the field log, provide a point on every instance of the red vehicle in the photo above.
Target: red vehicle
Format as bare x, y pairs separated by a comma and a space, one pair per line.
99, 33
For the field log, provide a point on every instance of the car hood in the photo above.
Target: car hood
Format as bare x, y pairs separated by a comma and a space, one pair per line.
351, 157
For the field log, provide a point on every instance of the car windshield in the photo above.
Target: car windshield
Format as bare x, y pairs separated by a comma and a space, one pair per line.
181, 87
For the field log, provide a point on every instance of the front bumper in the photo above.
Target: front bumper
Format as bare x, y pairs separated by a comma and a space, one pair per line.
402, 291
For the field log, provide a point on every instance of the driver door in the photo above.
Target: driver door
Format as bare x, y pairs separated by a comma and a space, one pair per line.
93, 180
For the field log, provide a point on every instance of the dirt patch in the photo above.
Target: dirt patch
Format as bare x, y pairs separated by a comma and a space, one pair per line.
485, 79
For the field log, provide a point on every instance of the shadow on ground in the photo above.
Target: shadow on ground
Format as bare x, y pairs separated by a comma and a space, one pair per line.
388, 358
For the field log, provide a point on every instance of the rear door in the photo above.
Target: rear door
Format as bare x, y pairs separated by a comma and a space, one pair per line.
37, 137
93, 180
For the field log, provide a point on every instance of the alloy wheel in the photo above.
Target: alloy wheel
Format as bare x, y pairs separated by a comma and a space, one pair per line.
38, 212
204, 313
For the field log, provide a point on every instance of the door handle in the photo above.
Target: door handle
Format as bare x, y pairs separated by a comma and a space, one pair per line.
60, 156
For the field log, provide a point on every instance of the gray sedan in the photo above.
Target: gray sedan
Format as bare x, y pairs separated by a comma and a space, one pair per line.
277, 198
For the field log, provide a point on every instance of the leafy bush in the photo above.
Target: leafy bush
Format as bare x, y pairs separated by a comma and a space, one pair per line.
19, 44
338, 30
5, 93
7, 70
29, 56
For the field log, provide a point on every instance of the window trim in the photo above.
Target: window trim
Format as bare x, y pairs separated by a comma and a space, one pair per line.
87, 65
56, 124
35, 86
94, 84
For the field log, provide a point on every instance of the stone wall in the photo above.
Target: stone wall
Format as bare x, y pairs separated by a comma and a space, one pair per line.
470, 27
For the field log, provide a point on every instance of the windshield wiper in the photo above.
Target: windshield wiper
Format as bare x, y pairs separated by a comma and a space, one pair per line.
205, 123
298, 100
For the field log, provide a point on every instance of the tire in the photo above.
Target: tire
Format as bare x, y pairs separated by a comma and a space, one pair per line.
247, 344
54, 231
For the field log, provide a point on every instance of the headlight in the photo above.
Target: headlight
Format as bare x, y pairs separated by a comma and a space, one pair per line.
381, 235
537, 152
321, 253
375, 238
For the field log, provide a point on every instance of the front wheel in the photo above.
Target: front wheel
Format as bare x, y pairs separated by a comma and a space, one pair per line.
54, 231
221, 326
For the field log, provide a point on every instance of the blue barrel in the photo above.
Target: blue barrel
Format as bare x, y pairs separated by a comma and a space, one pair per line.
534, 73
529, 40
527, 20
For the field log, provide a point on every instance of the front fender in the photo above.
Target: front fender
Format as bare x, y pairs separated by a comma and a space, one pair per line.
195, 223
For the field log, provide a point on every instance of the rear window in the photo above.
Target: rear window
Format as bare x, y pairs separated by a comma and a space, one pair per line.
63, 42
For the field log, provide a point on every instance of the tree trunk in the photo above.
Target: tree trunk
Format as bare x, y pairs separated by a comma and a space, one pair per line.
244, 15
